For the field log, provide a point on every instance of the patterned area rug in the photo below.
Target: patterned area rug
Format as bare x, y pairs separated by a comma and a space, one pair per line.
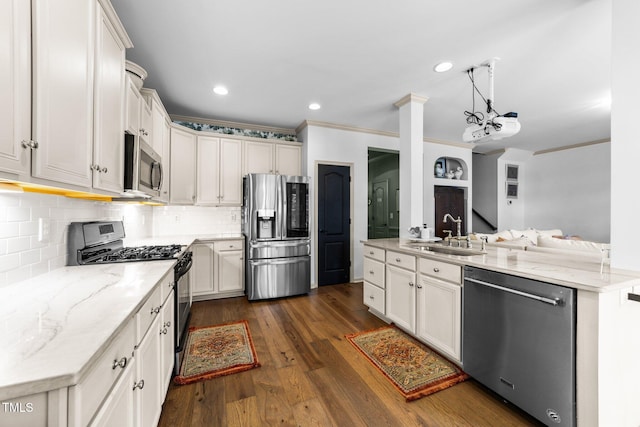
213, 351
413, 368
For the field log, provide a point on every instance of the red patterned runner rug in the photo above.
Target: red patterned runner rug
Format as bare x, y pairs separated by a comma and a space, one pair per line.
413, 368
214, 351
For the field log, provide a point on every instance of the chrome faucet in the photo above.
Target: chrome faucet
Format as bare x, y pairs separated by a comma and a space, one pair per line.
458, 222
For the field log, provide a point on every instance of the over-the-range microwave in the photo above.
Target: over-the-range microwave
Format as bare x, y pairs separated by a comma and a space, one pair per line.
142, 168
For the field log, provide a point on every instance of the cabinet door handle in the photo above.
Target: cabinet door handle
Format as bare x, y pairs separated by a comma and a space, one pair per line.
419, 286
139, 384
29, 144
411, 284
371, 297
155, 310
121, 363
104, 170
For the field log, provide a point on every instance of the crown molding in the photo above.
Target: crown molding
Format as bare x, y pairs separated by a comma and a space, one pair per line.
571, 147
224, 123
328, 125
468, 145
412, 97
108, 9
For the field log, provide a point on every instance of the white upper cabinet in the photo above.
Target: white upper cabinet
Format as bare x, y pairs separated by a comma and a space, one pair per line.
268, 157
208, 181
288, 159
258, 157
183, 167
63, 46
160, 136
108, 153
62, 76
219, 171
15, 87
230, 172
132, 114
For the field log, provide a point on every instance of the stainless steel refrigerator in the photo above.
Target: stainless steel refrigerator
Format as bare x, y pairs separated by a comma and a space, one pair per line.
275, 223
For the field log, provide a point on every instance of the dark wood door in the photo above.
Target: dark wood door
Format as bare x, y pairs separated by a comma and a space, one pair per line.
449, 200
334, 240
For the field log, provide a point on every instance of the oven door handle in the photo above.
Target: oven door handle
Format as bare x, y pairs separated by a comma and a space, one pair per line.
184, 270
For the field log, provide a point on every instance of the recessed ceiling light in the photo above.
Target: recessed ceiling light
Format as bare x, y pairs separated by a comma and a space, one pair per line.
314, 106
442, 67
220, 90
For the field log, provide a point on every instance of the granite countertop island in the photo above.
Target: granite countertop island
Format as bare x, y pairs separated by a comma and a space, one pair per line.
579, 272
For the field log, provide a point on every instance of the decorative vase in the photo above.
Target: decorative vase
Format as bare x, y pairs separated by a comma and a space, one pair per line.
449, 174
439, 171
458, 173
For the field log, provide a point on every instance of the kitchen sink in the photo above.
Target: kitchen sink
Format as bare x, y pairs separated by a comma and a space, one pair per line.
441, 249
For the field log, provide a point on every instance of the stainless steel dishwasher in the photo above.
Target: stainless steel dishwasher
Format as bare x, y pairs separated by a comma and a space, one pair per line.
519, 341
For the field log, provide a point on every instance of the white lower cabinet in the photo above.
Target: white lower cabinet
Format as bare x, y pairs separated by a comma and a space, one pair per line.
118, 409
128, 384
422, 296
146, 387
439, 306
86, 397
167, 344
401, 297
374, 279
439, 314
228, 266
202, 272
218, 269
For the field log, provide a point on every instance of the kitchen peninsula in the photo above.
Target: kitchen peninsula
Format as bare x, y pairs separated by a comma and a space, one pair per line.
604, 311
73, 335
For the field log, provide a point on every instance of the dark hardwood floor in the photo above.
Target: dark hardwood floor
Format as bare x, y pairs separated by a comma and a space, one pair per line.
312, 376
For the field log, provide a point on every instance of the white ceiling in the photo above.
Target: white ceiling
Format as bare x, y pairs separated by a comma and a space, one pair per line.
356, 58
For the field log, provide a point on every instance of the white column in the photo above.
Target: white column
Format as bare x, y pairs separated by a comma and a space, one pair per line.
411, 162
625, 149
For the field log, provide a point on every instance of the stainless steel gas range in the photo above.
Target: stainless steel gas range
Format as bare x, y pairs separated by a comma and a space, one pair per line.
101, 242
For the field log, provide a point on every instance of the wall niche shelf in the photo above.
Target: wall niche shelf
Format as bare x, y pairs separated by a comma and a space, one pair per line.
445, 169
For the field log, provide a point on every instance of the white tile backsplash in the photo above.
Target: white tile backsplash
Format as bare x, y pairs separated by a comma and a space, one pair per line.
23, 255
193, 220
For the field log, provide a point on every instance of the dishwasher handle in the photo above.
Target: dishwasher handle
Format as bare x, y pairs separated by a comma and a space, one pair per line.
551, 301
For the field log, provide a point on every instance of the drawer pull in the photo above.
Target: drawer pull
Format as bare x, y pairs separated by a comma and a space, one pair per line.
139, 384
419, 286
164, 331
436, 269
397, 259
371, 297
121, 363
167, 324
371, 272
371, 252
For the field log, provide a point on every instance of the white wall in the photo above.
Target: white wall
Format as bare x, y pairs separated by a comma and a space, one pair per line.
329, 145
485, 190
570, 190
511, 212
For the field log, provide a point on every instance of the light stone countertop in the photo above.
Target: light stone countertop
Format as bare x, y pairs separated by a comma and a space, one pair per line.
583, 273
55, 326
